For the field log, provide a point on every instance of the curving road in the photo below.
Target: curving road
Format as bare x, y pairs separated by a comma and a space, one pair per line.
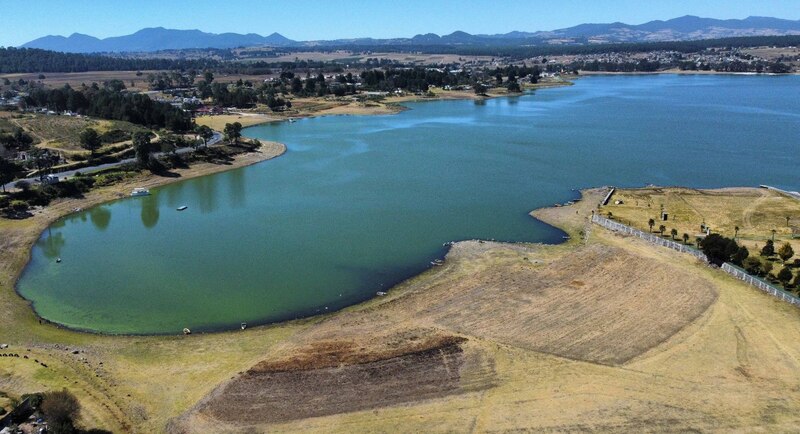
70, 173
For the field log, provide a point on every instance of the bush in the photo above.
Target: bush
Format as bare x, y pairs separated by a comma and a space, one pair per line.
751, 265
785, 275
19, 205
60, 409
114, 136
23, 185
740, 255
768, 249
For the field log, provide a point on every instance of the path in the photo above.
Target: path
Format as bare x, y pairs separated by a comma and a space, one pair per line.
70, 173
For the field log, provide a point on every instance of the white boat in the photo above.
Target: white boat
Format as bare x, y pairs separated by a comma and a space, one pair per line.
183, 207
139, 191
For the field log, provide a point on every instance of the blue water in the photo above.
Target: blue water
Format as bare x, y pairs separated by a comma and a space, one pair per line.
359, 203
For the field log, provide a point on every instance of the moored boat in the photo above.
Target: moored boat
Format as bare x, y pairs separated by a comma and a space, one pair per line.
140, 191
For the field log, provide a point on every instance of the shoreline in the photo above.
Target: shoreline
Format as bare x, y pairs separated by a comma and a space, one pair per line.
61, 208
67, 206
682, 72
393, 104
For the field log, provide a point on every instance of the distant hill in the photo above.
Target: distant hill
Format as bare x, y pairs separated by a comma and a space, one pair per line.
155, 39
678, 29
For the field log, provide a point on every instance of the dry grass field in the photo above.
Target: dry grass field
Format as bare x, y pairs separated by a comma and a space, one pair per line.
755, 211
217, 122
602, 333
76, 79
63, 132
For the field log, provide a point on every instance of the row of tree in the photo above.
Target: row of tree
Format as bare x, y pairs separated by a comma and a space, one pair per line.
109, 103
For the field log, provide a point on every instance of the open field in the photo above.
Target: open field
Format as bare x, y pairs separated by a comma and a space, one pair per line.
63, 132
603, 333
76, 79
218, 122
355, 57
755, 211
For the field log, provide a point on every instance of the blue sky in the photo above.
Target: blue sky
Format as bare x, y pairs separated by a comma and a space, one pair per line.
25, 20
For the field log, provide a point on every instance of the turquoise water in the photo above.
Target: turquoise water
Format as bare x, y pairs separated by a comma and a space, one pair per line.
359, 203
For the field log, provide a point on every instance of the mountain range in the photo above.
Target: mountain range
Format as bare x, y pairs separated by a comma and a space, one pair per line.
678, 29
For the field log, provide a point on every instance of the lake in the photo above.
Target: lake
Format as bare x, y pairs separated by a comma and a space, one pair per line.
359, 203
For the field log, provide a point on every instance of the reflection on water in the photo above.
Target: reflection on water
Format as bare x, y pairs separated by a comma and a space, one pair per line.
51, 244
206, 187
100, 216
150, 212
236, 188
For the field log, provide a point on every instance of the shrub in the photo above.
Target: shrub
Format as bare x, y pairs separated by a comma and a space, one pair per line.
785, 252
740, 255
60, 409
752, 265
785, 275
766, 267
18, 205
768, 249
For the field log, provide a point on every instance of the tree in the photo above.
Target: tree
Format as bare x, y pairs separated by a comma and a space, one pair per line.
205, 132
740, 255
685, 238
60, 409
752, 265
735, 232
141, 145
718, 249
673, 233
480, 89
768, 249
513, 86
90, 140
784, 276
208, 77
651, 223
8, 170
661, 229
43, 160
785, 252
233, 132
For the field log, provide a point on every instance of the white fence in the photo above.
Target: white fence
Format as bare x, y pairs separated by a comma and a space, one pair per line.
650, 238
726, 267
760, 284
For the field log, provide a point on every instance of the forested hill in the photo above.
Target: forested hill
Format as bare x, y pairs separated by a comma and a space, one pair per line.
19, 60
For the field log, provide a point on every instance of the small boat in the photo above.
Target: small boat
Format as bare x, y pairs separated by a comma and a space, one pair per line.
182, 207
380, 293
140, 191
186, 331
291, 120
243, 325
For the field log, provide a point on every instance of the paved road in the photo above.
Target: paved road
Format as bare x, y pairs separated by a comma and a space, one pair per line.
70, 173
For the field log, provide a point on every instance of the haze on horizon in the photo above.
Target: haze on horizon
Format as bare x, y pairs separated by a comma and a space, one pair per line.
318, 19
